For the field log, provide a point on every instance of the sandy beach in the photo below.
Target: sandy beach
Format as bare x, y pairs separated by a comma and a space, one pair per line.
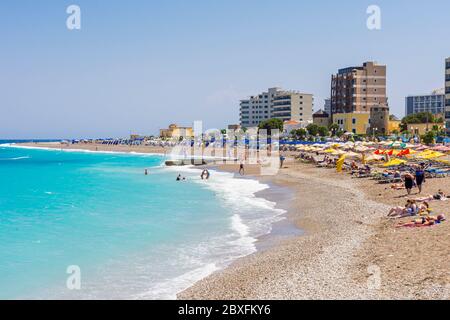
349, 250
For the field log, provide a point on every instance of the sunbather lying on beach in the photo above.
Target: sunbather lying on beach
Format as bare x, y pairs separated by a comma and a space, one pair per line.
398, 186
411, 209
440, 195
423, 222
400, 212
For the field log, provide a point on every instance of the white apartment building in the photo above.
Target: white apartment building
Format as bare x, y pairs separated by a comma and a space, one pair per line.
276, 103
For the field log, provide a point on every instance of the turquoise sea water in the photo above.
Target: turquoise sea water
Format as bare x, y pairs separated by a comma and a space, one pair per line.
132, 236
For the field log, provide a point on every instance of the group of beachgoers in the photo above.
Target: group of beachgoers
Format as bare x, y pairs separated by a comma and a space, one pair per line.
412, 176
180, 178
421, 210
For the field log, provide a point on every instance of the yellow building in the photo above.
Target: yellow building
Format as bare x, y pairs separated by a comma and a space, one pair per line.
356, 122
422, 128
394, 125
176, 132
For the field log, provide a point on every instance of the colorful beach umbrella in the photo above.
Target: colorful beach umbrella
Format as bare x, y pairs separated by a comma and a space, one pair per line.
434, 155
394, 162
340, 163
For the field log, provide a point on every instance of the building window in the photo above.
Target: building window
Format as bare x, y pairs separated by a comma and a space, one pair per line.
354, 121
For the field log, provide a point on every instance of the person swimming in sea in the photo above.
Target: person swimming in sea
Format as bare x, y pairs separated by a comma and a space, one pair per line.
146, 172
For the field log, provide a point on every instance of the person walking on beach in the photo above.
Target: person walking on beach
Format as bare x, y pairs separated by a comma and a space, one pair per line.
409, 182
420, 177
241, 169
282, 159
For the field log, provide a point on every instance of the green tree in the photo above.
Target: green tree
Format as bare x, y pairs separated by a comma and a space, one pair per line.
404, 127
299, 134
323, 131
421, 117
340, 133
313, 129
436, 128
334, 128
271, 124
429, 137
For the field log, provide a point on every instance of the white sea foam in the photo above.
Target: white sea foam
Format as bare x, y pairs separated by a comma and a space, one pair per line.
12, 159
250, 217
168, 290
82, 150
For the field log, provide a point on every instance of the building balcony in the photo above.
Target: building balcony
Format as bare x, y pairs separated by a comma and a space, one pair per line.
283, 115
282, 103
278, 110
280, 98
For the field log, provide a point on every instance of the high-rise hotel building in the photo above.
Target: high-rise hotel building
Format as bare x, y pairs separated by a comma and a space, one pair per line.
434, 103
276, 103
358, 89
447, 95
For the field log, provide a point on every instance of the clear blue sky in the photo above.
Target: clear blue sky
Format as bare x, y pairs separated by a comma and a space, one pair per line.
140, 65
